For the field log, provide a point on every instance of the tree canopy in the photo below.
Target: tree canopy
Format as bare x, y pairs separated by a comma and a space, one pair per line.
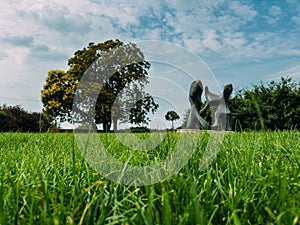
16, 119
271, 106
171, 116
120, 71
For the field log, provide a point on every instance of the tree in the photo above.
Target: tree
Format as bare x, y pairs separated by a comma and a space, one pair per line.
171, 116
57, 95
16, 119
272, 106
121, 83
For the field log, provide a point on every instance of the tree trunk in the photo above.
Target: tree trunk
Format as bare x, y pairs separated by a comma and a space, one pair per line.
106, 126
115, 122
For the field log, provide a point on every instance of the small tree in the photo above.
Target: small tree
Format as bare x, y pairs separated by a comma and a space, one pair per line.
171, 116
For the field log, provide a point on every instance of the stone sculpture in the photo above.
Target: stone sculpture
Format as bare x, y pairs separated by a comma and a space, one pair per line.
221, 115
195, 120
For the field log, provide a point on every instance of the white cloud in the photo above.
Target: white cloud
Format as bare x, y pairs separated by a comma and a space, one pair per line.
243, 11
296, 20
292, 1
264, 36
234, 40
275, 10
194, 45
37, 36
290, 52
274, 14
292, 71
211, 40
197, 25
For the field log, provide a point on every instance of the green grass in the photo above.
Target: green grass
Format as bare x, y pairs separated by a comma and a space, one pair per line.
255, 179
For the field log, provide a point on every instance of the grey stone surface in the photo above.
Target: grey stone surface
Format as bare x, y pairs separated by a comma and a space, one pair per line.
221, 115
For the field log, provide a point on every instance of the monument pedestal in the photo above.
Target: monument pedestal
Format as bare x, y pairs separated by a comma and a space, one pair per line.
202, 131
190, 131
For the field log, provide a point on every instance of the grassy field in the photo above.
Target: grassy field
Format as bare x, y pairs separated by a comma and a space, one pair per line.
255, 179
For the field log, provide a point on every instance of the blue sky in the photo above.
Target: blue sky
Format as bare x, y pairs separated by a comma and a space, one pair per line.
242, 42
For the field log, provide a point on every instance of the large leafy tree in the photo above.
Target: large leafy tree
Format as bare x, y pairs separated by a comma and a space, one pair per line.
122, 83
271, 106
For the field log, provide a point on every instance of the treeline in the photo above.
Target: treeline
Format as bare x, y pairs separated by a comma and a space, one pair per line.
274, 106
16, 119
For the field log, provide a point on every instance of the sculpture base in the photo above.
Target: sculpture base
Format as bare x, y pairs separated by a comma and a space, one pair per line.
190, 131
201, 131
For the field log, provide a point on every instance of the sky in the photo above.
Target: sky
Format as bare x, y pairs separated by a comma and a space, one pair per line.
240, 42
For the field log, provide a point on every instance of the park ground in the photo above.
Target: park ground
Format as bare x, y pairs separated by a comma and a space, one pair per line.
254, 179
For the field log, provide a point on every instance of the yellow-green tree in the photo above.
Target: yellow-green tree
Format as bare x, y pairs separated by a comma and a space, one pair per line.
57, 95
100, 60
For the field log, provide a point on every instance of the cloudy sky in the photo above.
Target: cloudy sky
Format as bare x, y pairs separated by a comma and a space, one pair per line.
242, 42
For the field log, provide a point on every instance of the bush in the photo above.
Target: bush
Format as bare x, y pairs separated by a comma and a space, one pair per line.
16, 119
274, 106
139, 129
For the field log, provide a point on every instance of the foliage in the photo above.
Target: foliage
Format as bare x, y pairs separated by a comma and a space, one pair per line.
254, 180
139, 130
140, 111
107, 63
14, 118
171, 116
272, 106
57, 95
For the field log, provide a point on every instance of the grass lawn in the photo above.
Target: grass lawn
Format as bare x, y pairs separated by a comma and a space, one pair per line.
255, 179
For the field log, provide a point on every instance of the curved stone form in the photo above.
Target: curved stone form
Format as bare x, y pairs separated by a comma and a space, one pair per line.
221, 116
195, 120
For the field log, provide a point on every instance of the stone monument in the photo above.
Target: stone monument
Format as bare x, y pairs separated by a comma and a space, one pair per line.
221, 115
